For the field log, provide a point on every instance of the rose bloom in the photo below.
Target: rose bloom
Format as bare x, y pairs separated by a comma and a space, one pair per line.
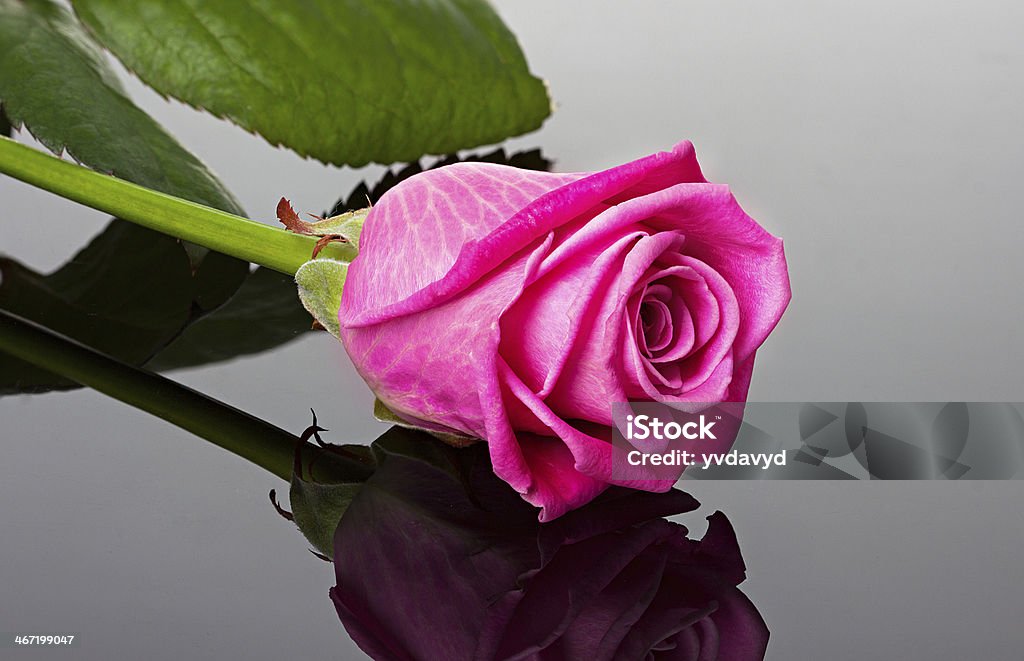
516, 306
435, 561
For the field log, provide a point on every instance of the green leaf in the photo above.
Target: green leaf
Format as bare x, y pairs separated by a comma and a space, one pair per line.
131, 290
55, 81
320, 282
99, 299
263, 314
343, 81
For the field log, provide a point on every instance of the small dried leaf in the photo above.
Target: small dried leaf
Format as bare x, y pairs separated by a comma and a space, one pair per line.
286, 214
325, 240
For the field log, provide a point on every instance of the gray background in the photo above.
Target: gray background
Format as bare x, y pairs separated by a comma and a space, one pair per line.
881, 140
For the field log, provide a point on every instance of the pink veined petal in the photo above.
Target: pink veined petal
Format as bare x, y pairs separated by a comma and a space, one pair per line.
433, 366
387, 241
414, 234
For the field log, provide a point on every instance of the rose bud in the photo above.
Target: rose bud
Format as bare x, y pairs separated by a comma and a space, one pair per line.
517, 306
439, 560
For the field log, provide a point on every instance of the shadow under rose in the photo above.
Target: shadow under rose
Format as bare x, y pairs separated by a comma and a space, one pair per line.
436, 558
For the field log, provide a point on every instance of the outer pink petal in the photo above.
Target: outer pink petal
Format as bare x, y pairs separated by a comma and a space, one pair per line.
439, 365
417, 229
414, 234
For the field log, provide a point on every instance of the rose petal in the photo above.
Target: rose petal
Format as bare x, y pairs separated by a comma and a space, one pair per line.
602, 624
742, 632
591, 456
557, 594
440, 365
656, 330
593, 379
698, 366
719, 233
496, 212
615, 509
540, 330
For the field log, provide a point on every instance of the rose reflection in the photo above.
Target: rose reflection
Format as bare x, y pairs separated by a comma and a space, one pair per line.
436, 558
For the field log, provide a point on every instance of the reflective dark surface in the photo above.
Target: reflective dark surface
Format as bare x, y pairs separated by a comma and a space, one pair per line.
880, 141
438, 558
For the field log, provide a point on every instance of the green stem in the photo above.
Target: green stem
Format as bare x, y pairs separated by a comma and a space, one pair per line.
224, 232
234, 430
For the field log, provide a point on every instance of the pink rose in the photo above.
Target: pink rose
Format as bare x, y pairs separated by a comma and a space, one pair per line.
516, 306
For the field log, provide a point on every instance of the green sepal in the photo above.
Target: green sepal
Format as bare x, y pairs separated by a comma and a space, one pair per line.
335, 474
385, 414
348, 225
320, 282
317, 509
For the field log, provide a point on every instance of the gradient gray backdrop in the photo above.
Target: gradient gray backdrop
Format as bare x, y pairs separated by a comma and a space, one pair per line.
882, 140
